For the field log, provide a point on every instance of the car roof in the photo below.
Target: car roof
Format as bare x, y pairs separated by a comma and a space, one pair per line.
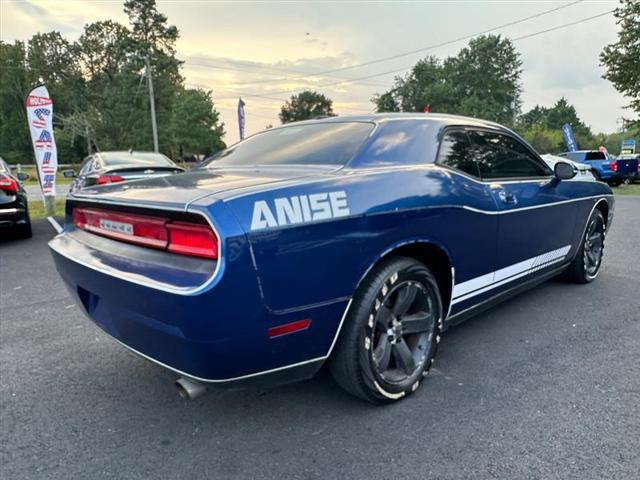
441, 118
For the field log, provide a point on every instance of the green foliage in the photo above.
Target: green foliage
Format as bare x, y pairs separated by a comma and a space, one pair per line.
544, 140
100, 92
192, 117
622, 58
483, 80
542, 128
306, 105
554, 118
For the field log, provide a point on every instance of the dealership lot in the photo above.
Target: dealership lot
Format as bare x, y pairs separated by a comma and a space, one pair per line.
546, 385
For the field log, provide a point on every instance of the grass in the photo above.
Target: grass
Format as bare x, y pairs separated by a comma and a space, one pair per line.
631, 189
36, 208
33, 177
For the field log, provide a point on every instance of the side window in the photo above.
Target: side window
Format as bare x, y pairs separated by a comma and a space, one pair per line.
455, 152
500, 156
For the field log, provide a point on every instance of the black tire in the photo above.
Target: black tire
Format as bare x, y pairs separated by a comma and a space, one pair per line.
381, 366
24, 231
596, 175
586, 264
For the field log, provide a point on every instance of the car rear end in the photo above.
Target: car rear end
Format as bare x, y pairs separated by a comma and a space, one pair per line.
628, 166
175, 286
14, 215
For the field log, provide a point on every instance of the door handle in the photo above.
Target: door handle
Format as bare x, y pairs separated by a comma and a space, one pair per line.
507, 197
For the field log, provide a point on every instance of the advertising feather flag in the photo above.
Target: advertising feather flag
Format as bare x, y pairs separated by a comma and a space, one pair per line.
40, 117
241, 118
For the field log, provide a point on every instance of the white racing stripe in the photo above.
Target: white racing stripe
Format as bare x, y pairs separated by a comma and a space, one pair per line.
466, 290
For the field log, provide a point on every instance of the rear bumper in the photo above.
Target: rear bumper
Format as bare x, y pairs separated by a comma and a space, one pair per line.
12, 216
216, 335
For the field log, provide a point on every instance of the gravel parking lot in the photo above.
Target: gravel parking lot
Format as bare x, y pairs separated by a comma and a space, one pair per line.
546, 385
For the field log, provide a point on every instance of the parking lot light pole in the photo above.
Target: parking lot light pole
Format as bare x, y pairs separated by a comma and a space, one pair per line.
152, 103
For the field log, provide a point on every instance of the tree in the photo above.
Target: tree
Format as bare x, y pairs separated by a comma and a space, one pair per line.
306, 105
555, 117
542, 127
486, 79
622, 58
195, 124
483, 80
15, 142
99, 90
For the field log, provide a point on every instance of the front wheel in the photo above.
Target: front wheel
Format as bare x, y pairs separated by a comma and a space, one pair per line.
586, 265
391, 332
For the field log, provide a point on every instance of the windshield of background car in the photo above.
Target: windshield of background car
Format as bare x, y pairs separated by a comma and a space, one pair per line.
113, 159
330, 143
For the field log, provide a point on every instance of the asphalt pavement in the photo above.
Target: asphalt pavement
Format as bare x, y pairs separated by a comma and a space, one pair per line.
544, 386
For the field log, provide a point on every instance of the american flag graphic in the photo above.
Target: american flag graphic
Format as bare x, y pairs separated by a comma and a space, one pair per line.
44, 140
41, 113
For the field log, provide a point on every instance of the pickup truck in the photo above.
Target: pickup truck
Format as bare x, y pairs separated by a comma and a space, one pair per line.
603, 167
629, 163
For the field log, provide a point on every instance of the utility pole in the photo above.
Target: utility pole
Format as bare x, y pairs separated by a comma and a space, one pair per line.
152, 103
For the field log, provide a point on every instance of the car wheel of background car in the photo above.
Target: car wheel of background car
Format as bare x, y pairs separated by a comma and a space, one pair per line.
596, 175
586, 264
24, 231
391, 332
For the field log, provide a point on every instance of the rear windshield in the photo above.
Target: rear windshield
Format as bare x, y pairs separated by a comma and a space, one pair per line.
333, 143
595, 156
112, 159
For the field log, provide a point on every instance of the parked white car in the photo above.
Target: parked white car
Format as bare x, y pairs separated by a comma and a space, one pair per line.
584, 171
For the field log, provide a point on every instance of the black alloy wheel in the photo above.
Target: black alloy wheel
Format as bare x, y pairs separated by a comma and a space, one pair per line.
585, 266
593, 246
391, 331
403, 327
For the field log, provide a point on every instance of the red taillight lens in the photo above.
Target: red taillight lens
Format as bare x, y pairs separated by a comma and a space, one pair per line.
104, 179
614, 166
191, 239
8, 184
155, 232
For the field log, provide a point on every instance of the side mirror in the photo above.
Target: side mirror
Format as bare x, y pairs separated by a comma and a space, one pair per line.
564, 171
22, 176
69, 174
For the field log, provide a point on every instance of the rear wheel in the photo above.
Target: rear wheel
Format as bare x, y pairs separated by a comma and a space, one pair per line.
24, 230
391, 332
586, 265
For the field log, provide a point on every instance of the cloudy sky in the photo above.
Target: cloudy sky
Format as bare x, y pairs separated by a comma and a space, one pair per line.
264, 51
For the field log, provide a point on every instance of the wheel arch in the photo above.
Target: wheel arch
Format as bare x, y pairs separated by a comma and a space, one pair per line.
434, 255
603, 206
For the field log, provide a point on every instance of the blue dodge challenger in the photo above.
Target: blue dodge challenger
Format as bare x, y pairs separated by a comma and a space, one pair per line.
354, 241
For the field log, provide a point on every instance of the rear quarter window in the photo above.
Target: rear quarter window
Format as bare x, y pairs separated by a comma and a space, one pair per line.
409, 142
595, 156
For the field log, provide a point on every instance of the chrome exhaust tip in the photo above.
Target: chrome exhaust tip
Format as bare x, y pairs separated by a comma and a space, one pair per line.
190, 389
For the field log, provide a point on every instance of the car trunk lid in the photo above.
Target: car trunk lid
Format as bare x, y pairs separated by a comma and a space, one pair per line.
178, 191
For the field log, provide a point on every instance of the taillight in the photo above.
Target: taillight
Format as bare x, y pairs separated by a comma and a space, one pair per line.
614, 166
192, 239
8, 184
104, 179
156, 232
